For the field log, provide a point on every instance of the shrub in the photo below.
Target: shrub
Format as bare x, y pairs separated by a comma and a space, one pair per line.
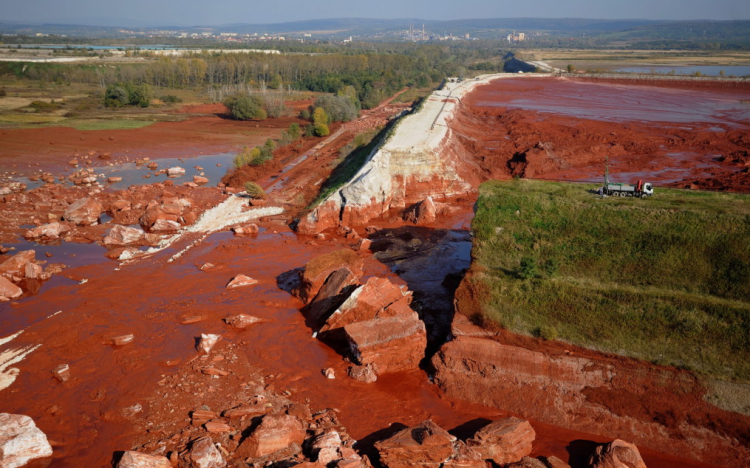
310, 130
294, 131
170, 98
547, 332
321, 130
338, 108
3, 92
255, 191
304, 114
245, 107
528, 268
128, 94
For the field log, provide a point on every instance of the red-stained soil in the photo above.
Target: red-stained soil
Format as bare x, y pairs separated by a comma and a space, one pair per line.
564, 129
91, 416
25, 151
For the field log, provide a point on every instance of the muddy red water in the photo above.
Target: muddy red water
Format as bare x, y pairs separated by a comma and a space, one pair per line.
87, 417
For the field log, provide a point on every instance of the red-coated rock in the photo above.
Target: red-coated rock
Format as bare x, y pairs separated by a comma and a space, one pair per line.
275, 434
617, 454
21, 441
554, 462
423, 212
465, 457
175, 171
241, 320
200, 180
246, 230
504, 441
363, 244
33, 271
62, 372
363, 373
84, 212
390, 344
49, 231
527, 462
207, 342
123, 235
165, 225
425, 445
369, 301
241, 281
8, 290
325, 447
204, 454
142, 460
319, 269
331, 295
122, 340
14, 265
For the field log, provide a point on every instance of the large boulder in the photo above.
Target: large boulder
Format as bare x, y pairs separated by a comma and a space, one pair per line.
504, 441
617, 454
320, 268
8, 290
49, 231
142, 460
21, 441
84, 212
389, 344
425, 445
14, 266
378, 298
331, 295
123, 235
277, 435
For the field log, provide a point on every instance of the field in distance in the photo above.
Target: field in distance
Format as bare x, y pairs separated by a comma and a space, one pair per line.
664, 279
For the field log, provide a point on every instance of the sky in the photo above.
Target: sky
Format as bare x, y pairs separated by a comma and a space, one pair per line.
217, 12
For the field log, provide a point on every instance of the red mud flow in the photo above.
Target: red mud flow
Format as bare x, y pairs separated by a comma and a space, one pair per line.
115, 394
560, 129
119, 397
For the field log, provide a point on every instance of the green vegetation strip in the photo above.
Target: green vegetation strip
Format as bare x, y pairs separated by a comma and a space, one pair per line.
117, 124
665, 279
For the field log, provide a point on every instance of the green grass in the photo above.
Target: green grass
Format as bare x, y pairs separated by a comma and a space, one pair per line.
116, 124
665, 279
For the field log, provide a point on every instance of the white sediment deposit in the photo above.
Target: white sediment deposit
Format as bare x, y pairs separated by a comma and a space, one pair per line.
418, 161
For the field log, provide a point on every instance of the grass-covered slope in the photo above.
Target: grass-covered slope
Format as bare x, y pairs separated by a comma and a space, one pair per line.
665, 279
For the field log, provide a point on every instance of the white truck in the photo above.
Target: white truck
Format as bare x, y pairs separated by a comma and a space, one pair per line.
640, 189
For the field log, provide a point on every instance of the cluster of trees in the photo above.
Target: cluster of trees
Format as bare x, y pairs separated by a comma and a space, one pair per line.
128, 94
372, 74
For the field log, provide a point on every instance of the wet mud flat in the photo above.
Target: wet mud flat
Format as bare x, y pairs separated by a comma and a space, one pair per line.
565, 129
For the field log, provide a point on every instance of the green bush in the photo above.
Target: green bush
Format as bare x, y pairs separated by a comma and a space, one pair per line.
304, 114
547, 333
338, 108
170, 99
528, 268
245, 107
255, 191
128, 94
294, 131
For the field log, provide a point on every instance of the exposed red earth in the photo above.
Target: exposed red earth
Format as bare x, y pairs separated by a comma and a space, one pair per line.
563, 129
145, 391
